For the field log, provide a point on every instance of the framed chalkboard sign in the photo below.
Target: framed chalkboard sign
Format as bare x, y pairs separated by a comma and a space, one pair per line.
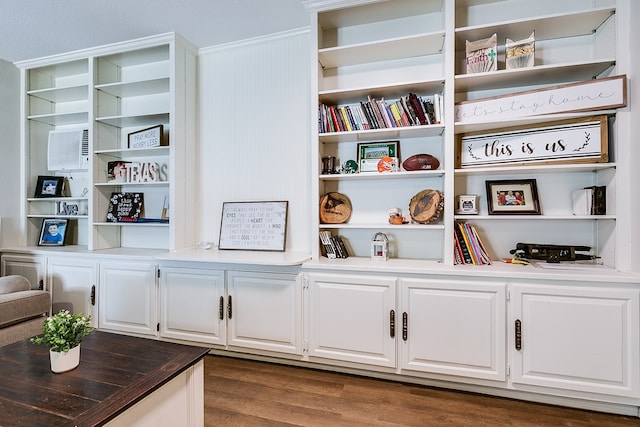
254, 226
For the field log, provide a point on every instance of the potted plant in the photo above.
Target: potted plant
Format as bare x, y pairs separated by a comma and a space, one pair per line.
62, 333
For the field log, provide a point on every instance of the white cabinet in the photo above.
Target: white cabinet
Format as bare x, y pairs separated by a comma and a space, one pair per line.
128, 297
73, 283
240, 310
575, 339
352, 318
192, 304
31, 267
453, 328
264, 311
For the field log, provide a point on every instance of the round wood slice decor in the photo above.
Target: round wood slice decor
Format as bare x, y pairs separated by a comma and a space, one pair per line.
426, 206
335, 208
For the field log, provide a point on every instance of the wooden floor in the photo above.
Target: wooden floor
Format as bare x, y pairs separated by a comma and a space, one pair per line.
248, 393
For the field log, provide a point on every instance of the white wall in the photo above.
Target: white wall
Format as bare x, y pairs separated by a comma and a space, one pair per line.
10, 153
254, 130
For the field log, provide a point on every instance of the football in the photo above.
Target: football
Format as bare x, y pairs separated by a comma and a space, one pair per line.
420, 162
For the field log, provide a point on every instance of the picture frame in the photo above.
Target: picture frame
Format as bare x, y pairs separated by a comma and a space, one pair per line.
53, 232
146, 138
254, 226
49, 186
370, 153
513, 197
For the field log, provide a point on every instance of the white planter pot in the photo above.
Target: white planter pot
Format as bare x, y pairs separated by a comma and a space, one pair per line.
63, 361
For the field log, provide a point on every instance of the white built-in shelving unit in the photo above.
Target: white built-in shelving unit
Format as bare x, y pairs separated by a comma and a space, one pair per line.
386, 49
113, 91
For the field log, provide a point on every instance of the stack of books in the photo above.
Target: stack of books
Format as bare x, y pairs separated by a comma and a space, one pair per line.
409, 110
333, 246
468, 247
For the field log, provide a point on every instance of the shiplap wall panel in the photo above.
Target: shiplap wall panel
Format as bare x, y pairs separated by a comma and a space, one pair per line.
254, 130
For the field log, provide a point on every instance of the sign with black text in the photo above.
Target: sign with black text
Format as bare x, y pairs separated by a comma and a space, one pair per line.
258, 226
567, 141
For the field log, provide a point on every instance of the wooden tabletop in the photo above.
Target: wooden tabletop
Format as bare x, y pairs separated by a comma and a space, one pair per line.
115, 372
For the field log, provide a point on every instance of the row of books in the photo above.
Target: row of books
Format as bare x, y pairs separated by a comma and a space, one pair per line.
468, 247
409, 110
334, 246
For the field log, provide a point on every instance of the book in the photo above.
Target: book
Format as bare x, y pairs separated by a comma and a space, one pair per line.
325, 239
125, 207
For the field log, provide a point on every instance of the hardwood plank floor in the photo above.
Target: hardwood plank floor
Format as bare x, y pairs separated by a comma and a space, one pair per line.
241, 392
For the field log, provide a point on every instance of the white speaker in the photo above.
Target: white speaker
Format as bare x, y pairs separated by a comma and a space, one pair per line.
68, 150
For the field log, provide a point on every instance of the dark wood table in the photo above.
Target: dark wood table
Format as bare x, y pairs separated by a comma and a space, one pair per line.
115, 372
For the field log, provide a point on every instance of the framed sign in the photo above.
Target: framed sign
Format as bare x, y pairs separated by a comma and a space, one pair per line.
126, 207
560, 142
513, 197
590, 95
369, 154
146, 138
254, 226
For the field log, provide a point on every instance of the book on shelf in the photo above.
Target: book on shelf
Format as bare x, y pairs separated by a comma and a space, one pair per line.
468, 246
333, 246
378, 113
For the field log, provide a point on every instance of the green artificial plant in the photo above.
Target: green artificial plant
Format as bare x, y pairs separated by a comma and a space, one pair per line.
63, 331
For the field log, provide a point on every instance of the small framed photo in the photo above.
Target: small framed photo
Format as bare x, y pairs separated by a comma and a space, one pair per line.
369, 154
53, 232
49, 186
513, 197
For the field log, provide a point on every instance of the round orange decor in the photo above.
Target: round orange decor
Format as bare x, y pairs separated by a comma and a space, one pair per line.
335, 208
385, 164
426, 206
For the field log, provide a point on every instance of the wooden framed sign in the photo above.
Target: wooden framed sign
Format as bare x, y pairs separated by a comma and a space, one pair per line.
254, 226
146, 138
590, 95
560, 142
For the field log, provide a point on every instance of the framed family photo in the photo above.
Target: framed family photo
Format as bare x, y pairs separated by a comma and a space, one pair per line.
49, 186
513, 197
52, 232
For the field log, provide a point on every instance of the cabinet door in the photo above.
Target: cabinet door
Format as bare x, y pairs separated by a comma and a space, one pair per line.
128, 297
192, 305
350, 318
576, 338
453, 328
265, 311
73, 283
31, 267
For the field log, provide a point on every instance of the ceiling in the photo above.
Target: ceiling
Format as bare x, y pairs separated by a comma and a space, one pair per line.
35, 28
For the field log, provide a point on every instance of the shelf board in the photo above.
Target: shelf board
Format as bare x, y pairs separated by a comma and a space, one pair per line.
59, 119
141, 120
540, 74
58, 216
132, 224
62, 94
139, 88
134, 152
497, 125
55, 199
129, 184
383, 226
536, 217
547, 27
387, 133
387, 175
395, 91
382, 50
537, 169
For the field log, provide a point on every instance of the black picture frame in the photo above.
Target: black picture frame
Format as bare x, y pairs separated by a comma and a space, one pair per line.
513, 197
49, 186
50, 236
